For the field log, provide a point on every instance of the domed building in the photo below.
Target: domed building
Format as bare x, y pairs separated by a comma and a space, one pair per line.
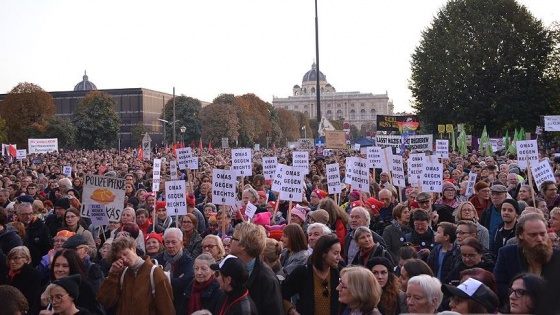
354, 107
85, 84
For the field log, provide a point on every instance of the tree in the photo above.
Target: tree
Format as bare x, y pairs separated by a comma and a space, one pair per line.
3, 131
481, 62
138, 131
219, 120
62, 129
97, 123
26, 107
254, 115
289, 125
187, 111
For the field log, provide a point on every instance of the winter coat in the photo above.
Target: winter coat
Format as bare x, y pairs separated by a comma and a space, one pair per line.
38, 240
182, 275
9, 239
264, 289
447, 263
394, 236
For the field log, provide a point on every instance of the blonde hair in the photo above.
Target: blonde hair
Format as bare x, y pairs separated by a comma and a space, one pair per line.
362, 286
20, 250
222, 251
271, 252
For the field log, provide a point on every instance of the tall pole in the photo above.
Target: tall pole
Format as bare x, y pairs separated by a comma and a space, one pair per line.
164, 142
317, 57
174, 119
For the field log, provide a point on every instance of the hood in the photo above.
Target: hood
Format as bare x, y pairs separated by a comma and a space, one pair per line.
8, 231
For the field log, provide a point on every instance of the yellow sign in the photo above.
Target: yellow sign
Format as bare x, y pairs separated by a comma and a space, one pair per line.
335, 139
440, 128
449, 128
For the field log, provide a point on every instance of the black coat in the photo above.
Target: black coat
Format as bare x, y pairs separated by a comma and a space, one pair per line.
38, 240
208, 298
454, 274
181, 280
9, 239
446, 265
236, 302
28, 281
264, 289
86, 300
300, 282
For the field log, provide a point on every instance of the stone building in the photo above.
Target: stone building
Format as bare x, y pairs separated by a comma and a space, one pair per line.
354, 107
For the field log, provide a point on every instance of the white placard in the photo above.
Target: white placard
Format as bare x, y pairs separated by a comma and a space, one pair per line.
250, 210
412, 143
106, 190
183, 154
42, 145
269, 167
157, 174
360, 174
175, 197
470, 184
432, 177
67, 170
542, 172
356, 147
223, 187
551, 123
387, 154
241, 162
442, 149
257, 147
333, 178
97, 214
397, 171
527, 150
349, 165
192, 163
21, 154
173, 170
300, 159
277, 180
415, 164
375, 157
292, 184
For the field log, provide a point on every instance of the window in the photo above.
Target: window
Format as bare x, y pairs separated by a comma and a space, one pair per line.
312, 90
296, 106
362, 104
338, 105
363, 114
329, 114
306, 113
352, 105
339, 114
373, 114
352, 114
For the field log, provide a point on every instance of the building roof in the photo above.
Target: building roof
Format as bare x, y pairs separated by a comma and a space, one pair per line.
85, 84
311, 75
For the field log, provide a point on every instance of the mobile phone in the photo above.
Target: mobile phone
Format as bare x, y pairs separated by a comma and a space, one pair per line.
454, 282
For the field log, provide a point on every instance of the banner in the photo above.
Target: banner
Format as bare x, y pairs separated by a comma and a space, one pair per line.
277, 179
241, 162
333, 178
173, 170
300, 159
289, 182
335, 140
375, 157
105, 190
21, 154
42, 145
67, 170
269, 167
417, 142
551, 123
402, 124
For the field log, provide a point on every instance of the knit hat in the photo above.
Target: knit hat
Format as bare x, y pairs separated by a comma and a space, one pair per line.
414, 205
62, 203
480, 185
160, 205
155, 236
447, 185
71, 284
190, 200
24, 198
272, 204
374, 204
65, 233
355, 194
300, 212
515, 205
381, 261
262, 218
321, 193
320, 216
133, 201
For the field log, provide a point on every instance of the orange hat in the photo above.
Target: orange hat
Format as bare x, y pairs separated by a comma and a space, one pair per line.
374, 204
65, 233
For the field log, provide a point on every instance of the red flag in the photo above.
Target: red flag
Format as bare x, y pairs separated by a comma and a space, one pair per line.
174, 148
209, 145
192, 144
140, 153
200, 144
13, 150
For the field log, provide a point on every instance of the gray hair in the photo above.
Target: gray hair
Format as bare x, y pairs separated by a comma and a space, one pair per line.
324, 228
131, 210
431, 287
211, 205
364, 212
361, 230
175, 231
206, 257
252, 192
23, 205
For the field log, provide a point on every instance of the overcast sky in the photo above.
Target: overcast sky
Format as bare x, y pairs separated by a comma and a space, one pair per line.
205, 48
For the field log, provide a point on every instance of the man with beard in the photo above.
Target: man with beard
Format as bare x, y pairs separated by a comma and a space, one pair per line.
533, 254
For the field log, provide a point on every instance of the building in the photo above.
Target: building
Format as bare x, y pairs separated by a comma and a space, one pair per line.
354, 107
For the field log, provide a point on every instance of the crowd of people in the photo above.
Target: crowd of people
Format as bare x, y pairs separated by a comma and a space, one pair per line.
387, 251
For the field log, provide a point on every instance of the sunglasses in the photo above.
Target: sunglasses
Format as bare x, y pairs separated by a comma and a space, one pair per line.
325, 285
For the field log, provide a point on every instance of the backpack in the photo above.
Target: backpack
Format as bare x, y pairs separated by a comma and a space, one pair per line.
152, 283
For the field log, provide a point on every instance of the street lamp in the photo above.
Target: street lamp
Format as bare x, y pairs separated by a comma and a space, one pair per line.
304, 132
183, 129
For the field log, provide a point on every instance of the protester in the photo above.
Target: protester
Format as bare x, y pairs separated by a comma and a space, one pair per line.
192, 241
359, 290
205, 292
471, 297
295, 251
394, 234
467, 211
393, 301
524, 292
423, 294
232, 277
21, 274
412, 268
212, 245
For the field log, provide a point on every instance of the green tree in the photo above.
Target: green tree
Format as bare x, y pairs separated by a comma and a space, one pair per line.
482, 62
96, 120
187, 111
62, 129
25, 110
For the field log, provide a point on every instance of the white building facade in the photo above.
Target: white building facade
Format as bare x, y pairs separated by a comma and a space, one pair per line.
354, 107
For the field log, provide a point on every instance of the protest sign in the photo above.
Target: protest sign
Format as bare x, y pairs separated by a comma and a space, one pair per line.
175, 197
387, 154
21, 154
269, 167
551, 123
278, 178
470, 184
67, 170
442, 149
223, 187
375, 157
97, 214
183, 154
349, 166
542, 172
360, 174
192, 163
306, 144
105, 190
257, 147
335, 139
300, 159
397, 171
432, 177
157, 174
333, 178
416, 142
241, 162
250, 210
292, 184
173, 170
42, 145
527, 151
415, 164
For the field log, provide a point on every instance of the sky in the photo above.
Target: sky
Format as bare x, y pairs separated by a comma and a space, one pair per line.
206, 48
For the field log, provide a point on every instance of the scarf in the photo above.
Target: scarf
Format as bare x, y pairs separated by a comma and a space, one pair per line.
364, 255
13, 273
195, 302
171, 260
159, 226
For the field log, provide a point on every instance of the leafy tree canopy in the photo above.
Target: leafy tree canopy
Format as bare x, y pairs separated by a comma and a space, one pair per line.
96, 120
61, 128
187, 111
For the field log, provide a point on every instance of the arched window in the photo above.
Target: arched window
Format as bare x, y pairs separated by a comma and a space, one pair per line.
352, 114
306, 113
363, 114
313, 90
329, 114
339, 114
373, 114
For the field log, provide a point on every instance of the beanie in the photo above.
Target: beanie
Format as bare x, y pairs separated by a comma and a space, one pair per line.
320, 216
71, 284
160, 205
515, 205
155, 236
62, 203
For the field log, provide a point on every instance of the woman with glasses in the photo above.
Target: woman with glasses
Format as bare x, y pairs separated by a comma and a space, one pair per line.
481, 199
212, 244
191, 239
315, 283
21, 274
73, 222
467, 211
472, 256
205, 291
359, 290
61, 296
524, 291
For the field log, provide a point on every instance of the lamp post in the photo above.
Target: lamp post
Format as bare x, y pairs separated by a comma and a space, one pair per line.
169, 123
183, 129
304, 132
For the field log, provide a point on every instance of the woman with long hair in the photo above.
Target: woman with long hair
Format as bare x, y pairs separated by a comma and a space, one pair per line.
338, 218
412, 268
524, 291
393, 301
359, 290
295, 251
73, 222
271, 257
192, 241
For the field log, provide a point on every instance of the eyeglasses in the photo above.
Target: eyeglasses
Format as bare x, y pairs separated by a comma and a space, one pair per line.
209, 246
16, 258
187, 222
325, 285
462, 232
406, 244
56, 298
519, 293
25, 214
469, 256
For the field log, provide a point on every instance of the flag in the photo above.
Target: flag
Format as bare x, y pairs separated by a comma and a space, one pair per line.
200, 144
325, 125
13, 150
453, 140
209, 145
175, 149
485, 143
192, 144
462, 142
506, 141
140, 153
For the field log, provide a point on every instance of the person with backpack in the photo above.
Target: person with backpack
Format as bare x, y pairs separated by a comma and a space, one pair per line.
135, 285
